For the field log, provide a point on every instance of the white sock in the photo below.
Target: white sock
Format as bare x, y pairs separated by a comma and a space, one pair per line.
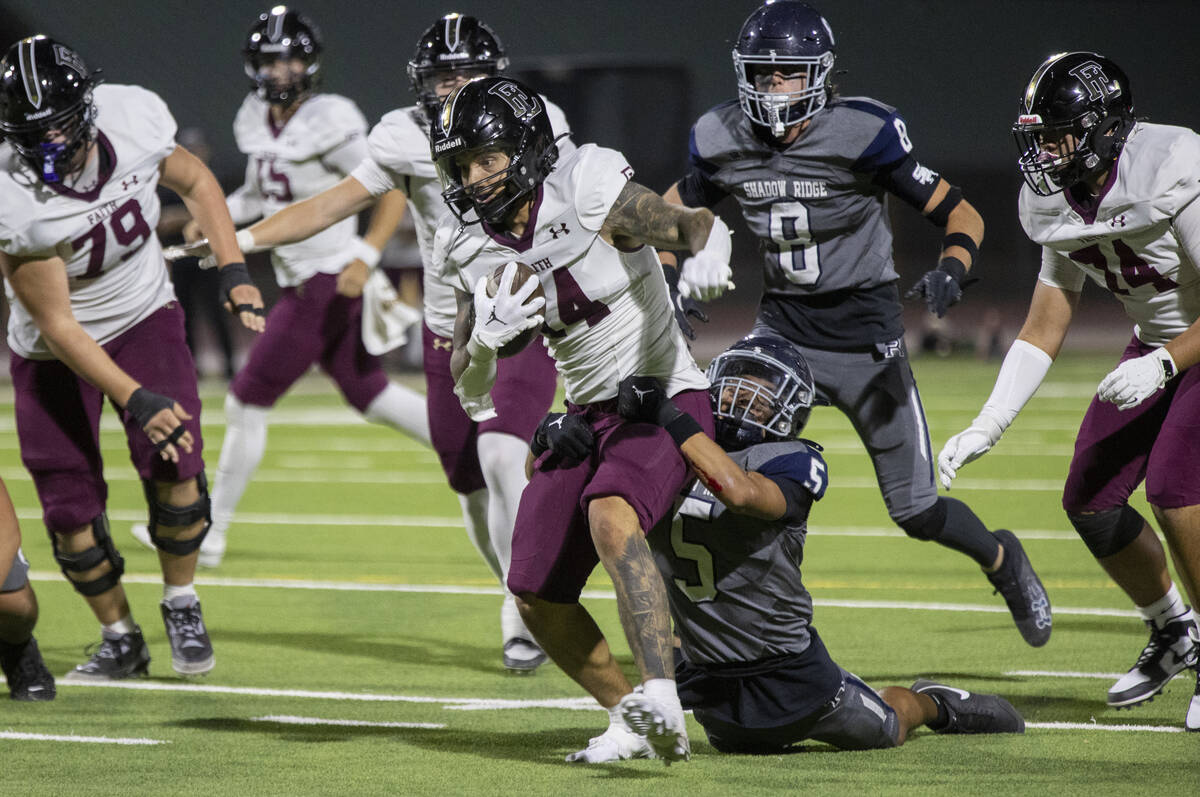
662, 690
171, 592
241, 451
475, 518
511, 624
1165, 609
121, 627
401, 408
615, 718
502, 460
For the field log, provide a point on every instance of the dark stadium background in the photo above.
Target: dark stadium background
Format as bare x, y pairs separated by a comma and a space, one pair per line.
634, 75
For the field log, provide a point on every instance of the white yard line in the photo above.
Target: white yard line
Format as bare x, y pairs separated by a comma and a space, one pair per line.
287, 719
1095, 726
57, 737
1107, 676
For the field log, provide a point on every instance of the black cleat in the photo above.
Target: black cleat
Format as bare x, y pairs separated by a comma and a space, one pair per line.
26, 673
118, 656
1022, 591
1171, 649
523, 655
191, 650
968, 712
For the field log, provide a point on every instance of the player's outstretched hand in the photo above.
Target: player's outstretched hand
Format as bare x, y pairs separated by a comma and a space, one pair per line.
162, 420
966, 446
1134, 381
241, 297
567, 436
705, 276
939, 289
352, 278
683, 306
501, 318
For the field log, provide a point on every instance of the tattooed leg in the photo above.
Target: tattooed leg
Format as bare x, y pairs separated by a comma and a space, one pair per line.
641, 596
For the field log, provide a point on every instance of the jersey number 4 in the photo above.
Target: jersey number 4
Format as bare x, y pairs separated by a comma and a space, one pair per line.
799, 258
129, 229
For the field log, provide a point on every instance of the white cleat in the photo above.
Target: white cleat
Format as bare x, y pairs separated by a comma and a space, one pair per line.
212, 550
618, 743
664, 727
1192, 722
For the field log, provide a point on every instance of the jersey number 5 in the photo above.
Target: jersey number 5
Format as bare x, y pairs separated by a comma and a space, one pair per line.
704, 586
799, 258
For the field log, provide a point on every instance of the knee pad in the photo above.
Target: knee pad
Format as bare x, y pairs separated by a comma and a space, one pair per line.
926, 525
177, 516
83, 561
1108, 532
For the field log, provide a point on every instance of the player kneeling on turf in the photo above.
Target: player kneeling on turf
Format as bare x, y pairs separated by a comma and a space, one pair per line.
754, 670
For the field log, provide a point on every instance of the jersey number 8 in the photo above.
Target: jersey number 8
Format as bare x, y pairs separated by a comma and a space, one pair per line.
799, 258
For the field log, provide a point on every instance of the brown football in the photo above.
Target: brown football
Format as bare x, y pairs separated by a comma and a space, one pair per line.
524, 272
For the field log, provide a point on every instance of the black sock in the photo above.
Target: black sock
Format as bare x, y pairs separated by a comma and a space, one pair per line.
965, 533
943, 716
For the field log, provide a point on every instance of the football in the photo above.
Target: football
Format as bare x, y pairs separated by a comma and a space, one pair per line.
524, 272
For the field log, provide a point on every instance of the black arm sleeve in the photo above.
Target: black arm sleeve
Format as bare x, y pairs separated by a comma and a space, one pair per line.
697, 191
909, 180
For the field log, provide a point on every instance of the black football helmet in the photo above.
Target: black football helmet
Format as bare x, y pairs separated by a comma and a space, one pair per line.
1080, 93
46, 107
493, 112
282, 33
455, 43
790, 37
762, 391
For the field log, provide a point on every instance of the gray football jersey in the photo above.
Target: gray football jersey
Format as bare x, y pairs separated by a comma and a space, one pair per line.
733, 581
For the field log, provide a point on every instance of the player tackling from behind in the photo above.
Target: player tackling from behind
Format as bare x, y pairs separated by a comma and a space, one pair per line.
1117, 201
586, 231
94, 316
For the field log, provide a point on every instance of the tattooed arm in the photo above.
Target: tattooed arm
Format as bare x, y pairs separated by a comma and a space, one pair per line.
640, 216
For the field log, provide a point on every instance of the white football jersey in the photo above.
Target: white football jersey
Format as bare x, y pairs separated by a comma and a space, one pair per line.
1126, 242
314, 150
608, 314
399, 158
104, 234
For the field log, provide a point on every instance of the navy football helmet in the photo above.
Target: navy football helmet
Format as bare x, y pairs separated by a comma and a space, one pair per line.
762, 391
1082, 94
499, 113
792, 38
455, 43
46, 108
282, 34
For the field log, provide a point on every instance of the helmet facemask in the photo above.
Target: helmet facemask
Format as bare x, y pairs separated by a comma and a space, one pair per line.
1074, 143
757, 399
778, 111
51, 146
425, 82
286, 91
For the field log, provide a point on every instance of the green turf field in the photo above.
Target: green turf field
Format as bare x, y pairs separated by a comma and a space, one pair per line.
358, 649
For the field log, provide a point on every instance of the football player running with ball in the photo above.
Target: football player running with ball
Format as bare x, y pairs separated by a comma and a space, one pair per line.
94, 316
1117, 201
811, 171
586, 231
483, 460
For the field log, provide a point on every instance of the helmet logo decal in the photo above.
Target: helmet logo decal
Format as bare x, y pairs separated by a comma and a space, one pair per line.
64, 56
29, 76
522, 104
453, 41
275, 23
1091, 75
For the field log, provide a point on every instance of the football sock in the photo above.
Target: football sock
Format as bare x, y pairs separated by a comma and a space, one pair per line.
511, 624
241, 451
171, 591
614, 716
964, 532
1167, 608
943, 716
400, 408
475, 518
502, 460
662, 690
120, 627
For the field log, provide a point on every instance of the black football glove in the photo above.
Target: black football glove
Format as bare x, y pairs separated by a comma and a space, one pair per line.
567, 436
683, 306
942, 287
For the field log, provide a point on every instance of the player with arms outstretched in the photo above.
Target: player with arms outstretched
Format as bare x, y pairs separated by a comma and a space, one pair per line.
94, 316
810, 171
299, 141
753, 668
1117, 201
586, 230
482, 460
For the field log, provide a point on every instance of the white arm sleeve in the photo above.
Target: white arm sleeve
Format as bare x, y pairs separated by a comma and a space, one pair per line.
1024, 368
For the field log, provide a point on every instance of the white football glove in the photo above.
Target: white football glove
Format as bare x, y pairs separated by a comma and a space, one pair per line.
967, 446
1134, 381
706, 275
500, 318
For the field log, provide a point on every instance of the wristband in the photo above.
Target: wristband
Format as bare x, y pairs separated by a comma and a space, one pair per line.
963, 240
245, 242
366, 253
955, 268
